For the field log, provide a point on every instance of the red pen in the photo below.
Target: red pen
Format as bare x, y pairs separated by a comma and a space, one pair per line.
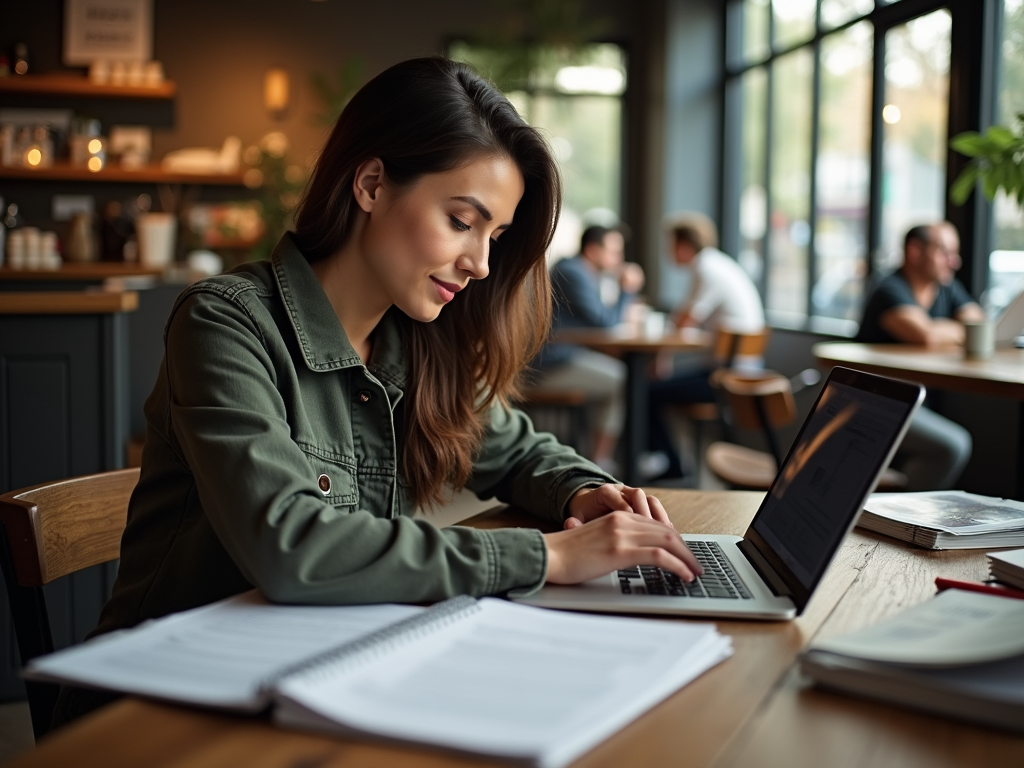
974, 586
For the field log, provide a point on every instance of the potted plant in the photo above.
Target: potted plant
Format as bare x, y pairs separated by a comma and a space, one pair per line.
997, 161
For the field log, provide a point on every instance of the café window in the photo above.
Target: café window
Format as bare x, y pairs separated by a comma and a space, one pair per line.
576, 99
837, 129
1006, 261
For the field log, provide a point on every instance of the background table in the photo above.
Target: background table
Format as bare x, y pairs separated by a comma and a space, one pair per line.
754, 709
1001, 375
637, 350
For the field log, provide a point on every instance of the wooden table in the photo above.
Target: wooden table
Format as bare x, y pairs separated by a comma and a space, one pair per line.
636, 350
754, 709
1001, 375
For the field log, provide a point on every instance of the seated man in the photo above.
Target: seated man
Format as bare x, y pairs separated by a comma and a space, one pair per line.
721, 295
579, 303
923, 303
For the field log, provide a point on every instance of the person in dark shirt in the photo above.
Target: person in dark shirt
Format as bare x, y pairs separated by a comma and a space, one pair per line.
577, 289
924, 303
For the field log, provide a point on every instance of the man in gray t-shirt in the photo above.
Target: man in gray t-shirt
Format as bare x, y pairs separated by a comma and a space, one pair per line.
924, 303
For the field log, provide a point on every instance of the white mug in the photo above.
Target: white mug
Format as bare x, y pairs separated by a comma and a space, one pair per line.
156, 235
979, 339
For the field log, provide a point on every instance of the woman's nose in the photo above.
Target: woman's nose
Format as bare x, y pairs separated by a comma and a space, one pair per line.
475, 261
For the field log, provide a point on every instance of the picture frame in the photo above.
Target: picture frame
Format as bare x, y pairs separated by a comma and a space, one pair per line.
113, 30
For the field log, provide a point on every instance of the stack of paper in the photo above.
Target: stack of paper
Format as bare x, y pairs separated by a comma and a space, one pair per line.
961, 654
1008, 567
487, 677
945, 519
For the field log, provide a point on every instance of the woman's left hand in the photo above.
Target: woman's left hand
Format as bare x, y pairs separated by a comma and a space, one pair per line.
590, 503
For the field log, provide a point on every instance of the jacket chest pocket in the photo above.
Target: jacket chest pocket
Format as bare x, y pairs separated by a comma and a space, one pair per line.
334, 476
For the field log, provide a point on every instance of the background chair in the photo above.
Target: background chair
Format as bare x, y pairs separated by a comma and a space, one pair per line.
564, 413
49, 531
728, 347
763, 403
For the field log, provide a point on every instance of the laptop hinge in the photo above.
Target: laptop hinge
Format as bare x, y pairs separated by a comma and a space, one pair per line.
764, 570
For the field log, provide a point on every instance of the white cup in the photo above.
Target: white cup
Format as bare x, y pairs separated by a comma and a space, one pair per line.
979, 339
654, 325
156, 234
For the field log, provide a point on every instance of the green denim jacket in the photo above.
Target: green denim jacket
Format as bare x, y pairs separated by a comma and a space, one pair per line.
272, 460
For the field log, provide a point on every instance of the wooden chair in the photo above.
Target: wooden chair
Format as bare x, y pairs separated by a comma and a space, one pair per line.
564, 413
727, 348
761, 402
49, 531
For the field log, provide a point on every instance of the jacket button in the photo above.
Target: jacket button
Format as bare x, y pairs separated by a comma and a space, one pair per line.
325, 484
364, 396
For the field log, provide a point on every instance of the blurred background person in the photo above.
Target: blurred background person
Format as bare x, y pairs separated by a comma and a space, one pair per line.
721, 296
582, 300
923, 303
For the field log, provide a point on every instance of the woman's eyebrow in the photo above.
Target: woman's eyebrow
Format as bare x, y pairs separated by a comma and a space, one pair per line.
480, 207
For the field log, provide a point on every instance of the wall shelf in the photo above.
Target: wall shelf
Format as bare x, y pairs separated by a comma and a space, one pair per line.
150, 174
84, 271
77, 85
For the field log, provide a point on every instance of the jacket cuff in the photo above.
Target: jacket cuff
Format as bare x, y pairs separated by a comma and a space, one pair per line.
567, 486
520, 563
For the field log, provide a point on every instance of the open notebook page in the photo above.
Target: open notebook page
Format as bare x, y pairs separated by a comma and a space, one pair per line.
217, 655
507, 680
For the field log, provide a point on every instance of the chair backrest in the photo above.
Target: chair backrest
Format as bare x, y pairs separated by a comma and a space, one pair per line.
52, 530
758, 401
730, 346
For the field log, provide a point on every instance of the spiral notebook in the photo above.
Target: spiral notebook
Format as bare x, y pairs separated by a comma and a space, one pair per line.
485, 677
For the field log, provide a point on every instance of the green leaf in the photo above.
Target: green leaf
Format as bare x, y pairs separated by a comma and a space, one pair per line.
970, 143
964, 184
989, 184
1001, 137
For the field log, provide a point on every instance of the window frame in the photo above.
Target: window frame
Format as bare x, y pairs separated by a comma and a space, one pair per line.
973, 81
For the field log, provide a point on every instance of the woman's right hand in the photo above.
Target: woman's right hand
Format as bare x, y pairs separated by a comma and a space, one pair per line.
613, 541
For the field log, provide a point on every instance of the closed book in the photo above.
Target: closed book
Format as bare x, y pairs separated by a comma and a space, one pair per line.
961, 654
1007, 567
945, 519
485, 677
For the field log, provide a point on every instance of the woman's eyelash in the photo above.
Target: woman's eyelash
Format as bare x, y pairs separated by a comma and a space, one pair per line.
459, 224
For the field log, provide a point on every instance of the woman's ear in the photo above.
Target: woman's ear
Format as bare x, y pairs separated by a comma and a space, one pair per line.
368, 182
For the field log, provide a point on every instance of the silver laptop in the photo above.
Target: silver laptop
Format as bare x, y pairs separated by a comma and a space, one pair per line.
1010, 324
770, 572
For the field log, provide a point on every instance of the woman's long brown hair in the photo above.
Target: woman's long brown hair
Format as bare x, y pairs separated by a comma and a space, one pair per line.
429, 116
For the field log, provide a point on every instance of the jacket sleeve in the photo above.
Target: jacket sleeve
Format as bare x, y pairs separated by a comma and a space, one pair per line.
530, 469
232, 428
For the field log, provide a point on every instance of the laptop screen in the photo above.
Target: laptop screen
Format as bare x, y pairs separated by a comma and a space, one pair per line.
829, 472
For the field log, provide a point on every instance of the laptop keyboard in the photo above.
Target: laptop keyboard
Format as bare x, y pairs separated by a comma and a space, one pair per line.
719, 579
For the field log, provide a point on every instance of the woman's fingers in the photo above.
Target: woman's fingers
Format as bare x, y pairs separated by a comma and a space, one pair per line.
617, 540
637, 501
658, 511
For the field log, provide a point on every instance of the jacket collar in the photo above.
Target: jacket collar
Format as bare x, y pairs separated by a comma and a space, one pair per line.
321, 337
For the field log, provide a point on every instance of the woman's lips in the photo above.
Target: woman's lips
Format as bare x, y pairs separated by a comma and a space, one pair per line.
446, 291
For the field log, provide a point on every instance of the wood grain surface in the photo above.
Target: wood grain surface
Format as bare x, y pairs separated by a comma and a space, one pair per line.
752, 710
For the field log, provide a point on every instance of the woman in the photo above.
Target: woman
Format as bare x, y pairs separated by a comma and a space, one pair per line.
306, 406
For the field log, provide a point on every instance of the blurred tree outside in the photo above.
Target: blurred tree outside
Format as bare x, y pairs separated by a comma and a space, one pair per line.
543, 58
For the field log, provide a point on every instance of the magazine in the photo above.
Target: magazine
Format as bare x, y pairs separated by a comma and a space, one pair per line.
946, 519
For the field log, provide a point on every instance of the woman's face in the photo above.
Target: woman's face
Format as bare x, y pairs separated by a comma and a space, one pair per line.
424, 243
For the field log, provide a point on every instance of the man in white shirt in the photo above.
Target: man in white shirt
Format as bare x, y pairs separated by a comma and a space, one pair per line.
722, 295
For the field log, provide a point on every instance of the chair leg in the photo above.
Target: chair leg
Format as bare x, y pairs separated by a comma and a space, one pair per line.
32, 628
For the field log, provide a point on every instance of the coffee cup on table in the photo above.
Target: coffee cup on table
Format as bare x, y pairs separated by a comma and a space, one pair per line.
979, 339
156, 235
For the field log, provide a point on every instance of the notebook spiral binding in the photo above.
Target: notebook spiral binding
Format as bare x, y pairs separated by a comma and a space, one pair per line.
354, 652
